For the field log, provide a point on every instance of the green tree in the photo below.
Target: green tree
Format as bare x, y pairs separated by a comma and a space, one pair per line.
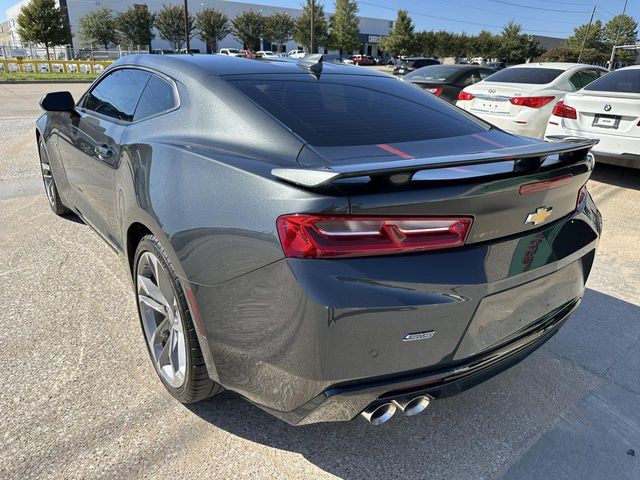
278, 29
302, 32
426, 43
588, 35
248, 28
484, 44
170, 25
42, 22
402, 39
345, 26
443, 43
98, 26
135, 26
515, 46
621, 30
212, 26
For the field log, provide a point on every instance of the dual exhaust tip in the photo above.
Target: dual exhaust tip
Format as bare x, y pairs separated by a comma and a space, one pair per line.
379, 414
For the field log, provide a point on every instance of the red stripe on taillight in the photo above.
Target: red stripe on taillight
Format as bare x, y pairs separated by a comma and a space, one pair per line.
531, 102
466, 96
323, 236
395, 151
544, 185
437, 91
564, 111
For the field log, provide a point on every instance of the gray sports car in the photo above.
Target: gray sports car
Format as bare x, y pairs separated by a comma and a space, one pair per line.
322, 239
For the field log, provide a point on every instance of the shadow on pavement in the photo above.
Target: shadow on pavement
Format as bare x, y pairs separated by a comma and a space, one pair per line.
479, 433
617, 176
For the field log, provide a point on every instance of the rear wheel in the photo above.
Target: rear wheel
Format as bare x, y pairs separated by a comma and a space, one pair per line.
167, 326
49, 183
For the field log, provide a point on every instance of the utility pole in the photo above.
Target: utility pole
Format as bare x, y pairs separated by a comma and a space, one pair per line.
584, 40
313, 14
613, 50
186, 24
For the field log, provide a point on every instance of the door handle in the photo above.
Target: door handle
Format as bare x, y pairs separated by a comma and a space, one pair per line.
104, 151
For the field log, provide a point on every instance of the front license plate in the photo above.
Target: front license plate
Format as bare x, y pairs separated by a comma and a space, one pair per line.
606, 121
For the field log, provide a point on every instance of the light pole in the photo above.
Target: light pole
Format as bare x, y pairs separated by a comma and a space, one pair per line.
313, 14
186, 24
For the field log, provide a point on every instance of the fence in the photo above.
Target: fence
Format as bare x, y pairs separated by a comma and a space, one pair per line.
9, 52
52, 66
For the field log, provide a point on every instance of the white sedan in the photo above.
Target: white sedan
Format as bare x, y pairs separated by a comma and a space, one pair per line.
607, 109
519, 99
265, 54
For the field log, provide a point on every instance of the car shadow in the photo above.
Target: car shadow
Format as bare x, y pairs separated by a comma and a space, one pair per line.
617, 176
476, 434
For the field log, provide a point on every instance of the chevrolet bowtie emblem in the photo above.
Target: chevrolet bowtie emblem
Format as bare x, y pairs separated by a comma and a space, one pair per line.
539, 216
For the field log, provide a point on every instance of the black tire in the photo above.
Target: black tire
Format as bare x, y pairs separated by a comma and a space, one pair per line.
197, 384
50, 189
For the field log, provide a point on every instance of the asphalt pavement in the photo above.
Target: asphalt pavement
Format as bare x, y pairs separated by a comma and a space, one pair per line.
79, 397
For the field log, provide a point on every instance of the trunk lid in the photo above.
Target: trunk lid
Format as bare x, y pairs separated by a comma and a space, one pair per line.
493, 192
605, 113
494, 98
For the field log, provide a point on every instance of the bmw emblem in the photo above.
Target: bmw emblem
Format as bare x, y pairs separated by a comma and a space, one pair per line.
607, 108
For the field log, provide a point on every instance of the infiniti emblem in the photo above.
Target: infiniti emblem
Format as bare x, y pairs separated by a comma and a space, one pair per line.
492, 90
607, 108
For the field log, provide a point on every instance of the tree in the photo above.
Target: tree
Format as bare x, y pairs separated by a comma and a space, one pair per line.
135, 25
41, 22
212, 26
170, 25
278, 29
345, 26
426, 43
484, 44
515, 46
98, 26
621, 30
401, 40
302, 33
248, 28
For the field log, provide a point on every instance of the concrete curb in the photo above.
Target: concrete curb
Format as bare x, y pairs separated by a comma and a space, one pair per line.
18, 82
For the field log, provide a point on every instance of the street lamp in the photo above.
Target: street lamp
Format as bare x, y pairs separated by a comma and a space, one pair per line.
186, 24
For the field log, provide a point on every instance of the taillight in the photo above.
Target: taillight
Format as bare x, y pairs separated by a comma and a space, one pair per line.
531, 102
564, 111
466, 96
435, 90
582, 194
320, 236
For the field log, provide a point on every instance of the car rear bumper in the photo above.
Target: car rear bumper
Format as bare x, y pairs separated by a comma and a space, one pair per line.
530, 122
319, 340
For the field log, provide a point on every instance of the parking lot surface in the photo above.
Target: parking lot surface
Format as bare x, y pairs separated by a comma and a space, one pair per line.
79, 397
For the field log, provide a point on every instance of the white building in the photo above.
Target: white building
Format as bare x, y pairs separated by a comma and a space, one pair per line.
371, 29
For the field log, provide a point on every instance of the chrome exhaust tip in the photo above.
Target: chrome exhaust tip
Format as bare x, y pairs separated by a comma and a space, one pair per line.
412, 406
378, 414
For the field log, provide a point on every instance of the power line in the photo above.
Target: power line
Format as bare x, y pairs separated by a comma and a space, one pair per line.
537, 8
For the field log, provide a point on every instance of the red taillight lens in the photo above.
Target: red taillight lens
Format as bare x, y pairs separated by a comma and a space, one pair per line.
582, 194
466, 96
531, 102
435, 90
320, 236
564, 111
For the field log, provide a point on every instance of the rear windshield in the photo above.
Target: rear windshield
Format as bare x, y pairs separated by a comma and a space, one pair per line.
341, 110
434, 73
625, 81
536, 76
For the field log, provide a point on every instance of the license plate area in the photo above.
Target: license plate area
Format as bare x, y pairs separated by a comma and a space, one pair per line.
502, 315
490, 106
606, 121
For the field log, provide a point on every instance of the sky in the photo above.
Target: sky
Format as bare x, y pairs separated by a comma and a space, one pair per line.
555, 18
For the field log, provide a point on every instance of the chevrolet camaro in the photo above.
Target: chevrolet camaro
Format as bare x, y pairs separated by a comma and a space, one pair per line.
322, 239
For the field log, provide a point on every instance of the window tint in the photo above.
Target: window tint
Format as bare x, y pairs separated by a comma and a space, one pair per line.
626, 81
117, 94
537, 76
339, 110
486, 74
157, 97
583, 78
469, 78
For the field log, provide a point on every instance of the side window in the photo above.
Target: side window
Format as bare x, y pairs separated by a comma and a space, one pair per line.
582, 78
486, 73
117, 94
157, 97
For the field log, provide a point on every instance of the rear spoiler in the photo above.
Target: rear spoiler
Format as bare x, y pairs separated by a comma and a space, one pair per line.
316, 177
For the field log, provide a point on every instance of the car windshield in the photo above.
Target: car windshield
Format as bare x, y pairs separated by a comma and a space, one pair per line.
531, 75
625, 81
433, 73
233, 50
341, 110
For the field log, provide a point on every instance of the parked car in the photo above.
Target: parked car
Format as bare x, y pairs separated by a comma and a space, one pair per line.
410, 64
163, 51
191, 50
296, 54
248, 53
447, 81
607, 109
496, 65
375, 250
363, 59
519, 99
232, 52
265, 54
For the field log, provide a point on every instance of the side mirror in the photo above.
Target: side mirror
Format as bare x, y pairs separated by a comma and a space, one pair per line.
57, 102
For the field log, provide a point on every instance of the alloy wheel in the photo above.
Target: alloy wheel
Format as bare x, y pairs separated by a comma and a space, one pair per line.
47, 177
161, 319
